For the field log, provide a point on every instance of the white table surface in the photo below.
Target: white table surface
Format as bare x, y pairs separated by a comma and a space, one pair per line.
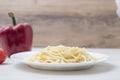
108, 70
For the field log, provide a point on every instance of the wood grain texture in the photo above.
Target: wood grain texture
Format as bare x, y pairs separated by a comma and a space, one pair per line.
84, 23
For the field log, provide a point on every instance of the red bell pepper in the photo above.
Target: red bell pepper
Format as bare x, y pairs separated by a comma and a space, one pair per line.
16, 38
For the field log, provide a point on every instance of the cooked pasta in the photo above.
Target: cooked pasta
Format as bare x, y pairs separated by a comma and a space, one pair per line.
61, 54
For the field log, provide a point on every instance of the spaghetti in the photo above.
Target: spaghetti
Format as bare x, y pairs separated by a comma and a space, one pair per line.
61, 54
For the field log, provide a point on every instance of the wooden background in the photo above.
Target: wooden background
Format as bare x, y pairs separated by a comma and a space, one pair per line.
83, 23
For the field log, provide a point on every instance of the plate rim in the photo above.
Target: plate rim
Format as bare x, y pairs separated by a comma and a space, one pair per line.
27, 52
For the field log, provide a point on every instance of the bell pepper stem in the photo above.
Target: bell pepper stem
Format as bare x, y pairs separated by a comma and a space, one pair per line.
11, 15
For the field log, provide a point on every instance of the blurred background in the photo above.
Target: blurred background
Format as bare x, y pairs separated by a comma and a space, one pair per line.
83, 23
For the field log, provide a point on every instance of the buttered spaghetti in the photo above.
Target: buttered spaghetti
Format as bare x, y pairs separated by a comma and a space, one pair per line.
61, 54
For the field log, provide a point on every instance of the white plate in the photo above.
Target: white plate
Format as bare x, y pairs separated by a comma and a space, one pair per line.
20, 57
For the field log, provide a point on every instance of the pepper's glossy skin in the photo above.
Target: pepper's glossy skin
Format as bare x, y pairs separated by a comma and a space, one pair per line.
16, 39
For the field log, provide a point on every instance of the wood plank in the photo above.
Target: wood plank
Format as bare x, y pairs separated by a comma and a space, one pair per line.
88, 23
66, 7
